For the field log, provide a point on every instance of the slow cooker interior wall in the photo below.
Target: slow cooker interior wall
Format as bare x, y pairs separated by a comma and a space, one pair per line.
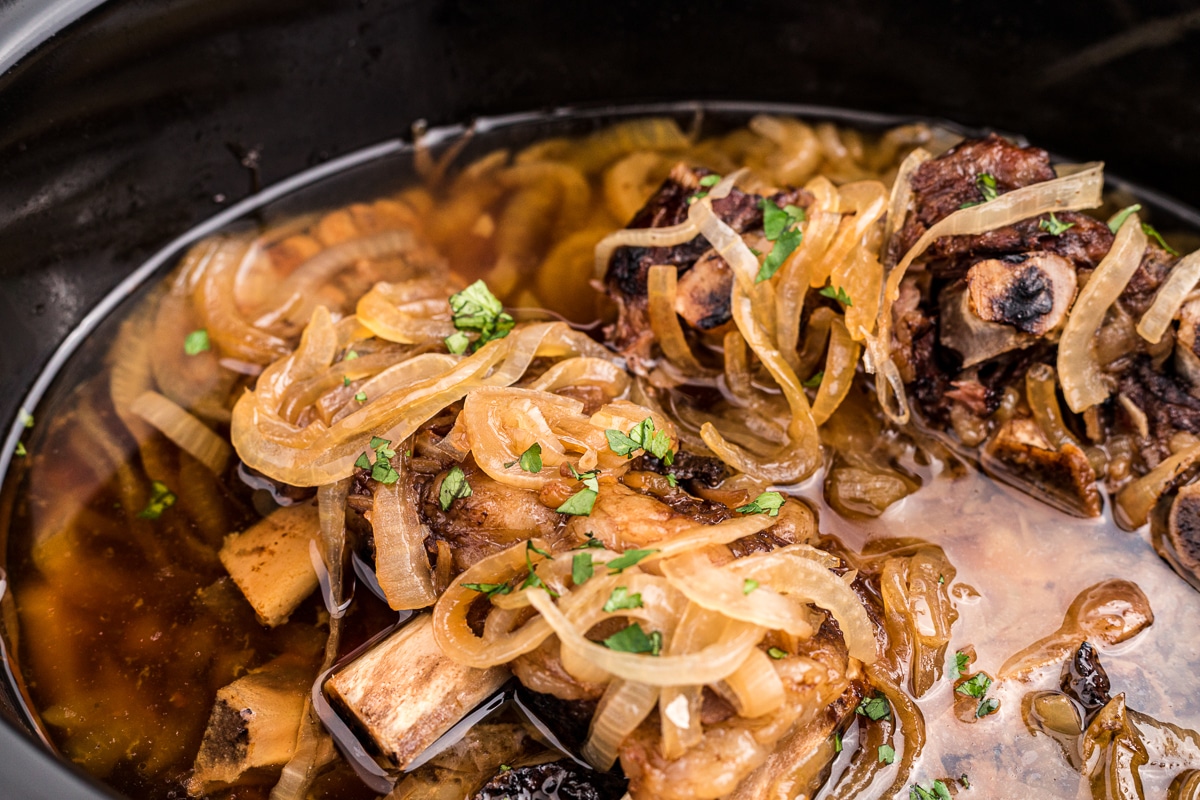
148, 116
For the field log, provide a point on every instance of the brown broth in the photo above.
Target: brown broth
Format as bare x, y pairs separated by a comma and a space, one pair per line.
128, 628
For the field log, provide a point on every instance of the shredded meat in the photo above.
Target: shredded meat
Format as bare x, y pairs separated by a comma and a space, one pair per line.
709, 471
1165, 401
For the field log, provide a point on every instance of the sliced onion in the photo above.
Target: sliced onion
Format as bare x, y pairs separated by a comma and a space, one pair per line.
401, 563
642, 237
409, 312
902, 194
1078, 371
867, 201
756, 688
584, 370
1079, 187
794, 573
622, 708
840, 366
502, 423
1184, 277
708, 665
213, 300
720, 590
1134, 502
721, 533
660, 287
820, 227
192, 435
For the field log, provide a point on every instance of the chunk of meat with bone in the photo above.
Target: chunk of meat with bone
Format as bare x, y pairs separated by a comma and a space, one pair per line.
703, 299
1179, 543
1165, 401
1029, 292
1084, 243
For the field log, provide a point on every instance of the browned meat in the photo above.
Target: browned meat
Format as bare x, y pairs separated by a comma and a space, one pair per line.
709, 471
1165, 401
541, 671
1183, 531
564, 780
491, 519
943, 185
1018, 453
569, 720
1139, 292
625, 279
1084, 244
702, 298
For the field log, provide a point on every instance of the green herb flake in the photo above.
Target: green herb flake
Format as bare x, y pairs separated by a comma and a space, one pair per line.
350, 355
620, 443
1150, 231
505, 768
346, 380
837, 742
784, 246
591, 480
161, 498
778, 221
363, 462
709, 181
627, 559
21, 451
383, 472
749, 585
531, 459
672, 481
26, 418
767, 502
815, 380
987, 706
490, 589
457, 343
530, 547
959, 667
579, 504
936, 791
592, 543
776, 653
635, 640
582, 568
887, 754
475, 308
361, 397
454, 486
196, 342
532, 581
986, 184
976, 686
621, 599
642, 436
874, 708
837, 293
964, 781
1118, 219
1054, 226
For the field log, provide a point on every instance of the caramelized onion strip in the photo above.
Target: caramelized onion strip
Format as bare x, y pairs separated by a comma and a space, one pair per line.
1181, 281
660, 286
1134, 502
840, 365
192, 435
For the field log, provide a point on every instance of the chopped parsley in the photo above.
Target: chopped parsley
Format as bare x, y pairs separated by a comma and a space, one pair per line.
936, 791
530, 460
964, 781
672, 481
350, 355
1054, 226
592, 543
814, 381
642, 436
457, 343
874, 708
26, 418
709, 181
635, 640
766, 503
1118, 219
627, 559
21, 451
749, 585
454, 486
887, 754
345, 380
1150, 231
196, 342
161, 498
977, 687
621, 599
361, 397
837, 293
530, 547
780, 227
475, 308
985, 182
837, 742
579, 504
489, 589
382, 470
505, 768
776, 653
959, 667
582, 568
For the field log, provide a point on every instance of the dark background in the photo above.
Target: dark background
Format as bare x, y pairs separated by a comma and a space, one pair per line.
144, 118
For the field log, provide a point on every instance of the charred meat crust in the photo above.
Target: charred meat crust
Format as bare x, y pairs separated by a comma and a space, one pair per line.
1018, 454
1165, 401
708, 471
